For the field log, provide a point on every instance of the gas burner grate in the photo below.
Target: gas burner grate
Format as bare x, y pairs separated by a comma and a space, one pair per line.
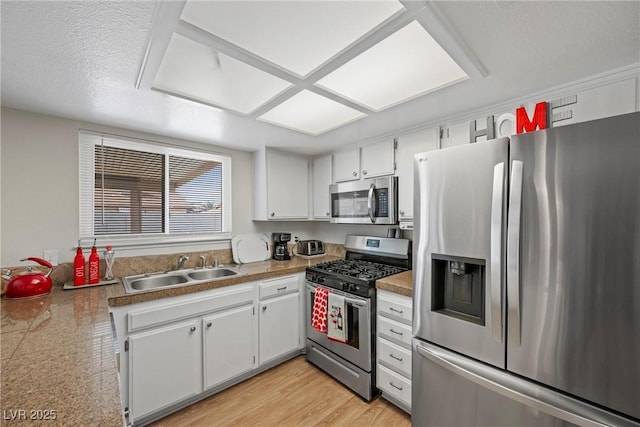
364, 270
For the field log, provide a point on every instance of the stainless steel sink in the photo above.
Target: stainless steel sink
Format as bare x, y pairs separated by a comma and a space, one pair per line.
152, 282
146, 282
212, 273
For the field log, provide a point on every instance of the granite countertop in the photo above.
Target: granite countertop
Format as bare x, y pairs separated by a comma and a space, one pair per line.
58, 359
253, 271
401, 283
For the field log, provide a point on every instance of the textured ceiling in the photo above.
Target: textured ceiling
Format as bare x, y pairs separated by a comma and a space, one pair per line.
81, 60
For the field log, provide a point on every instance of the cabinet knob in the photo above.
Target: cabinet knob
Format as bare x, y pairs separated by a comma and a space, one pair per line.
193, 329
273, 214
355, 174
327, 213
209, 324
364, 172
264, 308
401, 212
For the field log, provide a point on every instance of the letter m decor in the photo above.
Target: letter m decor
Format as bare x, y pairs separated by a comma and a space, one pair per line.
539, 119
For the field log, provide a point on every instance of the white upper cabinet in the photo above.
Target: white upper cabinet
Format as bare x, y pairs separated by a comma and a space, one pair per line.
321, 183
367, 161
408, 146
280, 186
378, 158
346, 165
455, 134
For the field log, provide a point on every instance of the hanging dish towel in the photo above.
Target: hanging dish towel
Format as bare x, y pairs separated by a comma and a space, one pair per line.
319, 320
337, 318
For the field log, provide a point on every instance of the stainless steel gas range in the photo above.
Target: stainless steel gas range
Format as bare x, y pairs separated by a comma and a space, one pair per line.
367, 259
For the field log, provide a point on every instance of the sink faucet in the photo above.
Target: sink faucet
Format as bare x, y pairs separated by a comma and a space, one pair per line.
203, 261
182, 260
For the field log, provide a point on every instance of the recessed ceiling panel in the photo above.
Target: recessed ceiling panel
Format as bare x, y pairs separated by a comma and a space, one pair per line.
296, 35
405, 65
193, 70
311, 113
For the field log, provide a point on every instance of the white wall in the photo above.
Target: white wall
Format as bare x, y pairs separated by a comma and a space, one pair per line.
39, 190
39, 185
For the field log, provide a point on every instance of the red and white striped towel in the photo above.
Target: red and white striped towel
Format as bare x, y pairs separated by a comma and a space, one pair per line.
319, 320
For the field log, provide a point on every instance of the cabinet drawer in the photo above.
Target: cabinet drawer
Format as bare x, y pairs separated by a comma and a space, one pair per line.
395, 306
279, 286
395, 357
394, 384
394, 331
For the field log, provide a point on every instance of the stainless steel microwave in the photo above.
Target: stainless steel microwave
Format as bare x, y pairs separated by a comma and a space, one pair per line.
368, 201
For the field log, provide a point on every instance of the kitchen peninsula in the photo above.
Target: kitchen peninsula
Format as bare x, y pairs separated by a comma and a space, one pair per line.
58, 359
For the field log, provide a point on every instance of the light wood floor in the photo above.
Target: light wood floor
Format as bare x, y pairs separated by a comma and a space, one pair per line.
295, 393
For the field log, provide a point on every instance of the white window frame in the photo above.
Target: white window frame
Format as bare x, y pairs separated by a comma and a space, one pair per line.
87, 140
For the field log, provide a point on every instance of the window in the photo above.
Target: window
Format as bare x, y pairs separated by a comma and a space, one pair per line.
137, 189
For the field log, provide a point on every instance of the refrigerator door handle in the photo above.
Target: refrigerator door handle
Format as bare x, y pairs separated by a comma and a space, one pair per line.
495, 284
519, 389
513, 255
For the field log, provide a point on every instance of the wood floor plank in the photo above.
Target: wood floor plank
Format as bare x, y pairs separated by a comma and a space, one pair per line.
295, 393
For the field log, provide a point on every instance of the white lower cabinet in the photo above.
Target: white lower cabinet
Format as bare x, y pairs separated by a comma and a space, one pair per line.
177, 350
228, 344
279, 306
393, 348
164, 366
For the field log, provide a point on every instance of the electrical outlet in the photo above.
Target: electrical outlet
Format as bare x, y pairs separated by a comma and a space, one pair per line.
51, 255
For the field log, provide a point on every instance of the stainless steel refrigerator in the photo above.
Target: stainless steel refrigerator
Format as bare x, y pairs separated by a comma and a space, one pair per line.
527, 279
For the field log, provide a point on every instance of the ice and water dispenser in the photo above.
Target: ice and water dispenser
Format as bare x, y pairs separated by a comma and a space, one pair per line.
458, 287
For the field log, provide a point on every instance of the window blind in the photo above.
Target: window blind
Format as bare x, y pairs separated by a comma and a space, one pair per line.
128, 194
195, 195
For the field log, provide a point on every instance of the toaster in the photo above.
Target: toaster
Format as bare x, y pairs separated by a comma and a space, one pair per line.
310, 247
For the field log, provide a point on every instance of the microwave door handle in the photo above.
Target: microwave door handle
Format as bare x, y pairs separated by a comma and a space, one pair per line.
370, 205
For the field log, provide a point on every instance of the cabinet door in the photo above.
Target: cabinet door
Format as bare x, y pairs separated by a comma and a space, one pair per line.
165, 367
321, 183
279, 326
287, 186
229, 344
346, 165
457, 133
378, 159
408, 146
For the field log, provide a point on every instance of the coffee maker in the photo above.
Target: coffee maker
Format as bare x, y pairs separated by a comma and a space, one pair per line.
281, 246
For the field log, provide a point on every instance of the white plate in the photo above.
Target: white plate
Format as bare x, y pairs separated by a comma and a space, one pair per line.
250, 248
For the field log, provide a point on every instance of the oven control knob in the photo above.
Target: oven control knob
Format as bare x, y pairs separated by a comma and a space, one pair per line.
345, 286
352, 287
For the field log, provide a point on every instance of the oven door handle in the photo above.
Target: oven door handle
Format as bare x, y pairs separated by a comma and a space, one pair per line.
355, 302
371, 207
352, 301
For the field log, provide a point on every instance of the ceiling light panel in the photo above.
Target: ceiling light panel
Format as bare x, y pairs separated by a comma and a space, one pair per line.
195, 71
311, 113
407, 64
298, 36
